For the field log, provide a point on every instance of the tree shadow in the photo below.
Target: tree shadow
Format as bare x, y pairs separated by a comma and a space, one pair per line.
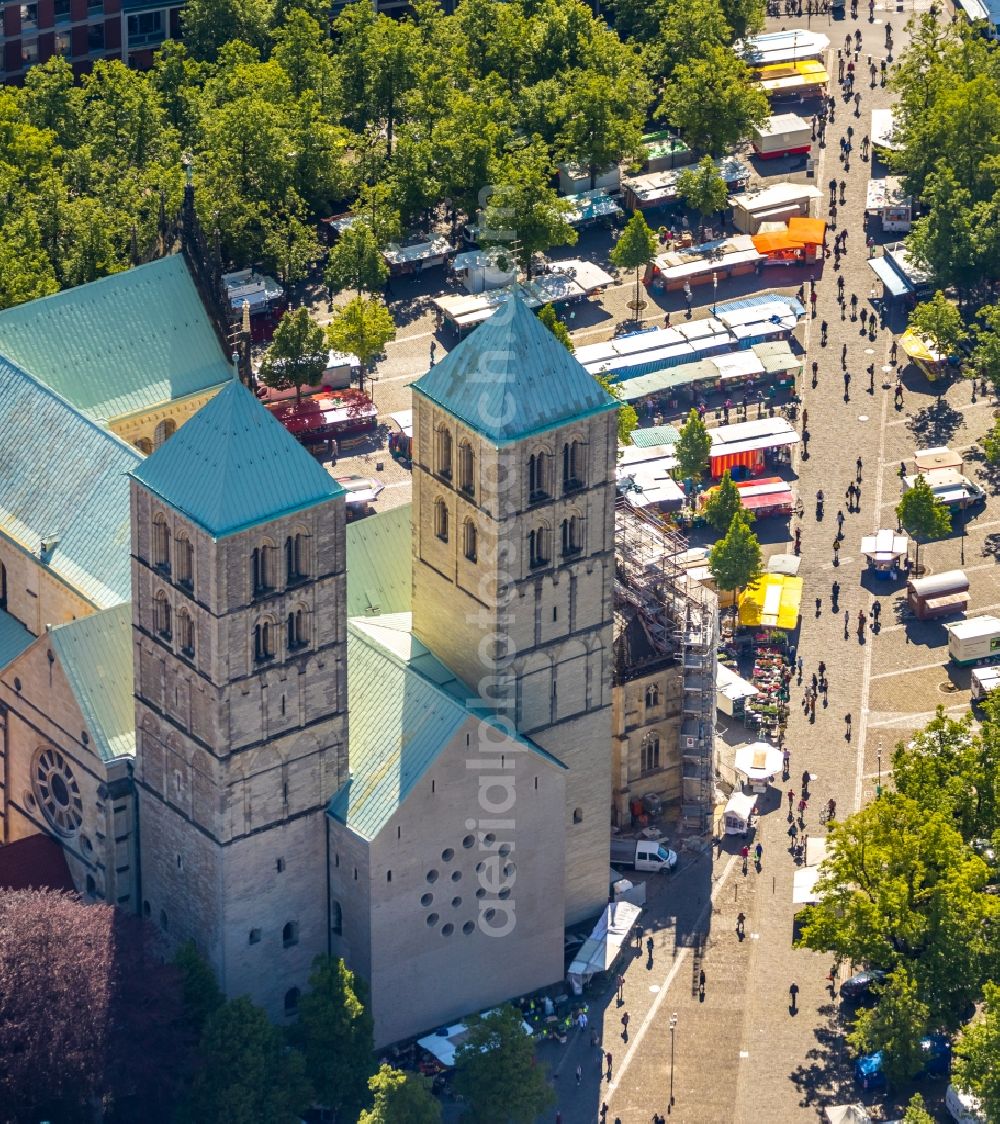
936, 423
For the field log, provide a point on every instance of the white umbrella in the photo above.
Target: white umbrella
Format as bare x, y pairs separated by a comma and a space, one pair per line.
884, 546
759, 761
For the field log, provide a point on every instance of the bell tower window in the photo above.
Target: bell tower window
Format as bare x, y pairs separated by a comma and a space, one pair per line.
538, 547
466, 468
184, 561
185, 630
260, 570
572, 466
161, 615
471, 545
161, 544
442, 453
571, 535
295, 570
296, 630
537, 477
441, 520
263, 641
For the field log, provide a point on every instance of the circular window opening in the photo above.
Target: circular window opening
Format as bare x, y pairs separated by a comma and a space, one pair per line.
489, 839
468, 928
481, 892
480, 867
447, 930
432, 919
504, 894
509, 869
456, 876
490, 914
432, 876
504, 850
447, 855
60, 793
469, 842
426, 900
456, 902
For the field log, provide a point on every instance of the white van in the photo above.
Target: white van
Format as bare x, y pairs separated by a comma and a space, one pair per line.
963, 1107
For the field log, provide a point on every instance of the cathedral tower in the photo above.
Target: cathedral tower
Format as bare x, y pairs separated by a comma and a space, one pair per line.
238, 571
513, 559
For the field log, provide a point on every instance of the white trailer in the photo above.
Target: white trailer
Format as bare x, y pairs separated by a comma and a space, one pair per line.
984, 680
976, 640
785, 134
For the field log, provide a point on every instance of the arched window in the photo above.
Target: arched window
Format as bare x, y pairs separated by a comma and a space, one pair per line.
538, 547
261, 570
336, 918
296, 630
161, 615
466, 468
184, 561
161, 544
290, 934
144, 445
263, 641
91, 886
163, 920
442, 452
185, 631
652, 695
295, 558
571, 535
538, 477
441, 520
292, 1001
572, 466
166, 428
650, 753
471, 545
577, 815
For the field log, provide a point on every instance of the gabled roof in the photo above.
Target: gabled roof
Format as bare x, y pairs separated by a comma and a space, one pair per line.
378, 563
14, 638
405, 707
512, 378
95, 654
232, 466
65, 477
122, 344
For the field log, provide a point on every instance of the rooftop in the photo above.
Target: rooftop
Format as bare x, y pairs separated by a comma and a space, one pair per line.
95, 654
64, 483
233, 466
120, 345
512, 378
14, 638
378, 563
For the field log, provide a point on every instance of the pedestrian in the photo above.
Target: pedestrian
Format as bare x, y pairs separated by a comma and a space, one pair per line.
847, 723
859, 463
579, 1074
791, 797
854, 307
876, 613
840, 521
836, 551
892, 353
805, 418
812, 299
608, 1059
740, 924
649, 948
847, 622
805, 782
843, 355
625, 1026
745, 855
800, 669
621, 989
847, 386
861, 620
815, 681
701, 981
758, 853
857, 105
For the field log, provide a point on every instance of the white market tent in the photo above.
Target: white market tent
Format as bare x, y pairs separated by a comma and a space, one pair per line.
883, 130
601, 949
730, 688
884, 546
736, 817
782, 46
847, 1114
445, 1043
404, 419
759, 761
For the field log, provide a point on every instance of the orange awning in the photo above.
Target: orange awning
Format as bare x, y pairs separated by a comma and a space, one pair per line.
805, 229
774, 241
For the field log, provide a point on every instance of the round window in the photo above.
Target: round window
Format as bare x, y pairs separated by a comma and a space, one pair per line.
57, 792
447, 855
432, 876
469, 842
468, 928
456, 876
432, 919
426, 900
447, 930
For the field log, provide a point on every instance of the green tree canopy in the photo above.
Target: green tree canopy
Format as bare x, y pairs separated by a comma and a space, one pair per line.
401, 1098
723, 504
895, 1026
496, 1071
334, 1033
247, 1073
735, 560
356, 262
916, 1111
601, 120
703, 189
202, 995
297, 355
921, 514
209, 24
692, 449
977, 1057
362, 327
635, 248
986, 356
939, 322
550, 318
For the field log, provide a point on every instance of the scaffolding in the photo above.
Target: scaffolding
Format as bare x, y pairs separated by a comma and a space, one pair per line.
681, 619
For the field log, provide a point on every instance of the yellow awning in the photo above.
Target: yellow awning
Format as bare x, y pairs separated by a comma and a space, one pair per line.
774, 602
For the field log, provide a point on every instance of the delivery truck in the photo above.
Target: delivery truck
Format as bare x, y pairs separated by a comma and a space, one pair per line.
643, 854
976, 640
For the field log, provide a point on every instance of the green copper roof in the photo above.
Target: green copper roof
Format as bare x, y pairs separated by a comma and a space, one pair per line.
378, 563
233, 465
122, 344
14, 638
64, 480
512, 378
405, 708
95, 654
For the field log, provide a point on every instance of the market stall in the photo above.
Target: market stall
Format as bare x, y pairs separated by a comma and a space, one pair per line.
785, 134
901, 277
704, 264
760, 763
747, 448
590, 207
884, 551
938, 595
889, 204
658, 188
774, 602
767, 711
984, 680
922, 353
783, 46
603, 947
731, 691
740, 815
417, 257
792, 79
777, 202
444, 1044
771, 496
939, 456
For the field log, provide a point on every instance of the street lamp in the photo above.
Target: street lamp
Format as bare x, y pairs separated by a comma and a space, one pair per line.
673, 1027
715, 290
878, 790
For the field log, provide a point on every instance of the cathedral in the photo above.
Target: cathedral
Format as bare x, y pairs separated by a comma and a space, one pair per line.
280, 735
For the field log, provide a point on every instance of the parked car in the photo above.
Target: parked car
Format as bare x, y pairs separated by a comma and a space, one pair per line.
936, 1050
860, 988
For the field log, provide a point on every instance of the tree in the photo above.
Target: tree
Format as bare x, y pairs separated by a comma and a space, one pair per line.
523, 207
942, 241
990, 440
401, 1098
916, 1111
89, 1012
703, 189
25, 269
200, 991
986, 355
208, 24
289, 244
247, 1073
900, 889
550, 318
723, 504
634, 249
356, 262
895, 1026
977, 1056
922, 515
628, 419
362, 327
735, 560
692, 449
940, 323
684, 33
601, 120
297, 356
334, 1033
496, 1071
714, 101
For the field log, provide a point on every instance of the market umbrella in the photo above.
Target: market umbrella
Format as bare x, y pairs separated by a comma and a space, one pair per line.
759, 761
